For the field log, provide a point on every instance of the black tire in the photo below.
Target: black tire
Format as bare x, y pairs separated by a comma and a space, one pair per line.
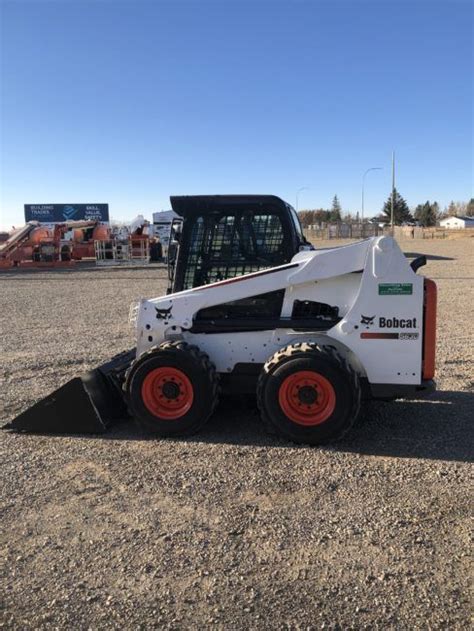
172, 358
341, 398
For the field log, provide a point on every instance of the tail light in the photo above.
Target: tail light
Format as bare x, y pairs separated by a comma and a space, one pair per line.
429, 329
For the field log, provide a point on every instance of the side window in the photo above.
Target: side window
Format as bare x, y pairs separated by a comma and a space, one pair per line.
231, 244
196, 244
224, 242
296, 223
268, 235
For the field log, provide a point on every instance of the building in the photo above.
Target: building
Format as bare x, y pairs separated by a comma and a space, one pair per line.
457, 223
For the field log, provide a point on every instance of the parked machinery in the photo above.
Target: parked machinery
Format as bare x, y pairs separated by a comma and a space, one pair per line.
253, 309
36, 245
128, 245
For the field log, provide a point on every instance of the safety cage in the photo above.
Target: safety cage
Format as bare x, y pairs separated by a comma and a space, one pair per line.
227, 236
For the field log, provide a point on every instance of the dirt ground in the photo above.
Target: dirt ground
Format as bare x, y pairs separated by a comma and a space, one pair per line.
232, 528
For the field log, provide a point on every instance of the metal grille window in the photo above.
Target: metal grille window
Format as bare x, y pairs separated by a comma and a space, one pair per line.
224, 246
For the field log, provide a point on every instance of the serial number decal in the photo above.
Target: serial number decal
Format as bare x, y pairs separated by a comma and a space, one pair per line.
408, 336
389, 336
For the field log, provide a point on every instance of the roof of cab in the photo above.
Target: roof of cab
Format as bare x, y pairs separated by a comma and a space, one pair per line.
185, 205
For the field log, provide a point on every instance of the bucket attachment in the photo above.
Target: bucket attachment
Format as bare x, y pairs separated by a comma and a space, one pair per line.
88, 404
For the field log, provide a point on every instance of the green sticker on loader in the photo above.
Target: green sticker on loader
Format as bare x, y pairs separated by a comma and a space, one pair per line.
395, 289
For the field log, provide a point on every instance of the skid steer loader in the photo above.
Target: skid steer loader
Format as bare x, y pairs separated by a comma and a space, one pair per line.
252, 308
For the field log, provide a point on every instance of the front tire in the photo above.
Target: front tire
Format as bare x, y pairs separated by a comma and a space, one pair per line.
309, 393
172, 389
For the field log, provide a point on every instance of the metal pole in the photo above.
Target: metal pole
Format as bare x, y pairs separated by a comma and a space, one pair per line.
393, 192
303, 188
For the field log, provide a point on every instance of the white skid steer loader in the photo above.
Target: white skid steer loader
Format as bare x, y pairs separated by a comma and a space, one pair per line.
312, 337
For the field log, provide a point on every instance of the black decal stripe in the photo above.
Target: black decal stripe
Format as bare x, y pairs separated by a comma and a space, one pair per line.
379, 336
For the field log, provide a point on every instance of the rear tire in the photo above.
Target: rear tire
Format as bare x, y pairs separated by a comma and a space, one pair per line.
172, 389
309, 393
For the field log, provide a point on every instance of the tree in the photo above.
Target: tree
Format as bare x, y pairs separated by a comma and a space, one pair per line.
426, 214
418, 212
321, 215
457, 209
335, 210
306, 217
313, 217
401, 212
470, 208
451, 209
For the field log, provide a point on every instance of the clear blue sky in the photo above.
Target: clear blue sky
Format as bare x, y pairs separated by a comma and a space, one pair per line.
129, 102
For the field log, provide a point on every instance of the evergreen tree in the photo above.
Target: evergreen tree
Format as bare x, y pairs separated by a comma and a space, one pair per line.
470, 208
430, 215
418, 213
336, 210
427, 214
401, 212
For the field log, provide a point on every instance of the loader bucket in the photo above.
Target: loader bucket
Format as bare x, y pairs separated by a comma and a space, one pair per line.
88, 404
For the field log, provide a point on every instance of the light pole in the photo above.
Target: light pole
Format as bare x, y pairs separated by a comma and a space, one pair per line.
363, 187
303, 188
392, 200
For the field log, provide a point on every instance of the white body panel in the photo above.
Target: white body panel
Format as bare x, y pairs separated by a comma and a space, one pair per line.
380, 301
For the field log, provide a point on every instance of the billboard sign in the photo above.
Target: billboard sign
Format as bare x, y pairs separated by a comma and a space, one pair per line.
58, 213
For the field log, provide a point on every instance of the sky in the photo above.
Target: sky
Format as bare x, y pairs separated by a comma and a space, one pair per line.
131, 102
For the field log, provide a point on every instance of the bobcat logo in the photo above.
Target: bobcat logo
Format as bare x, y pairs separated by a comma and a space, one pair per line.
163, 314
367, 320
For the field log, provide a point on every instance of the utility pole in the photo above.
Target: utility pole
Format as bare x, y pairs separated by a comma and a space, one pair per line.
393, 192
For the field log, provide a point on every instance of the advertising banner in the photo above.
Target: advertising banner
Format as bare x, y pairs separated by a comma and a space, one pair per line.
58, 213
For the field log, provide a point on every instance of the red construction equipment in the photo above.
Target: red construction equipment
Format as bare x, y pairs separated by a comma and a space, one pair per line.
36, 245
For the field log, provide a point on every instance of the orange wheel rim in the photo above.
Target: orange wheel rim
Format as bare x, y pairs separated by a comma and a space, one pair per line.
307, 398
167, 393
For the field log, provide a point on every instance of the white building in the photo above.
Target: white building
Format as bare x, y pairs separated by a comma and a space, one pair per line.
458, 223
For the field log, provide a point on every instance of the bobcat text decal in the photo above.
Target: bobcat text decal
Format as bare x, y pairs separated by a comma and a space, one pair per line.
385, 322
395, 323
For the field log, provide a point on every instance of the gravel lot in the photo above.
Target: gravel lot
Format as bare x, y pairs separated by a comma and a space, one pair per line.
232, 528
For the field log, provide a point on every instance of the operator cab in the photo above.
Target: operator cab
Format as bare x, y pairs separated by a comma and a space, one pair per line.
223, 236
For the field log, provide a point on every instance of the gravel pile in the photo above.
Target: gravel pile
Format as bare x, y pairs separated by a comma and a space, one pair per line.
232, 528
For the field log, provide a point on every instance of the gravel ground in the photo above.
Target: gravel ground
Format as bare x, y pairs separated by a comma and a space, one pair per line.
232, 528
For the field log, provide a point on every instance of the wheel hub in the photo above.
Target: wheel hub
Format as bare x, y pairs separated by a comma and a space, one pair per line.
167, 393
307, 398
171, 390
307, 395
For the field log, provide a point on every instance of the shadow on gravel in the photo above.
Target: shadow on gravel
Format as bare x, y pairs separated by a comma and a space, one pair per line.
439, 428
429, 257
